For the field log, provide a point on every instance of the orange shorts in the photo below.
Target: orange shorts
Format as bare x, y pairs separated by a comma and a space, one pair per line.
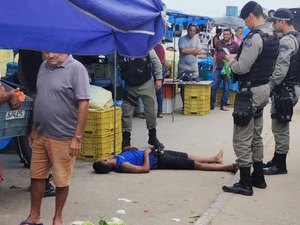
49, 153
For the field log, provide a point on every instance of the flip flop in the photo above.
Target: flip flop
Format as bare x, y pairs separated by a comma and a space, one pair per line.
29, 223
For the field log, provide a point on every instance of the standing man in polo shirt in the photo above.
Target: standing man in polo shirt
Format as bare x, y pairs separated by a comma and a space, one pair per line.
60, 113
189, 48
252, 68
219, 58
284, 85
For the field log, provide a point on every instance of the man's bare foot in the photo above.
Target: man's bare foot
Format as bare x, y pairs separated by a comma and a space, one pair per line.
233, 168
219, 157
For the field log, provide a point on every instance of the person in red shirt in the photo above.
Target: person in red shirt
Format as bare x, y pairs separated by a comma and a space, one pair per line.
219, 57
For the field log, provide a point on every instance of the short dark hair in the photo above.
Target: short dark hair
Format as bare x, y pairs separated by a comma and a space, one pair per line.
192, 25
219, 30
251, 7
101, 166
239, 28
227, 30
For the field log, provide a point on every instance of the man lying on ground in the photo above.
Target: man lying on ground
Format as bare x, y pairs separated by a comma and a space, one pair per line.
142, 161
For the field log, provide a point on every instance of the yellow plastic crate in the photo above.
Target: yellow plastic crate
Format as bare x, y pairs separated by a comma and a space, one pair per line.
231, 97
94, 146
196, 108
196, 91
101, 122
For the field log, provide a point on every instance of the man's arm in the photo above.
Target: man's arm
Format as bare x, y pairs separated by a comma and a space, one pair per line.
157, 68
83, 109
10, 97
130, 168
287, 48
193, 51
251, 49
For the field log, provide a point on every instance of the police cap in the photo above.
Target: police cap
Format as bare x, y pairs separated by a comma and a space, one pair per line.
282, 14
247, 9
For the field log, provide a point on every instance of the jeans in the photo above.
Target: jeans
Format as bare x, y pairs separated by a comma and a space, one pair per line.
159, 96
217, 78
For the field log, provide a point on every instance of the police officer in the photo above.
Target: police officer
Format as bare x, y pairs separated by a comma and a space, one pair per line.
139, 82
252, 68
285, 79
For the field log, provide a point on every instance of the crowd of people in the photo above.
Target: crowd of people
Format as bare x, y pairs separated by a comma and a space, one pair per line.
264, 65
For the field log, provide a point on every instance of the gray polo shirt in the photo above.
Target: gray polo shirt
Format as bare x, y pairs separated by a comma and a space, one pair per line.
188, 62
56, 103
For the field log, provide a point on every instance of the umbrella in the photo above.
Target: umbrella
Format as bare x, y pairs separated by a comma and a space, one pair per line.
58, 26
229, 21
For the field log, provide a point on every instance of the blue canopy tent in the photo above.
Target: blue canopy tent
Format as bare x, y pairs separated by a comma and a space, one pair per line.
82, 27
56, 25
181, 19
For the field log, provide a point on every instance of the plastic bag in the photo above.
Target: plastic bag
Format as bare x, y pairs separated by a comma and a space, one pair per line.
114, 221
100, 98
226, 70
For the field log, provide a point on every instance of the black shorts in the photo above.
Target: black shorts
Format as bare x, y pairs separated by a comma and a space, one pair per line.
174, 160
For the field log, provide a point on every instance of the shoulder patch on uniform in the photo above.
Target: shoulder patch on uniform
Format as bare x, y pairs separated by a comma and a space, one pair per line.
248, 43
283, 48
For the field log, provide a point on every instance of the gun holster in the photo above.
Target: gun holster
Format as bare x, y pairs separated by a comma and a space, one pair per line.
242, 113
283, 106
131, 99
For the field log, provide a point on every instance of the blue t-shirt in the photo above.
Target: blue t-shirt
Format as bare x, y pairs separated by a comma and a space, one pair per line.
134, 157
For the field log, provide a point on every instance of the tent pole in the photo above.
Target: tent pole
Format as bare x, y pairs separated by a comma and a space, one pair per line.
173, 71
115, 98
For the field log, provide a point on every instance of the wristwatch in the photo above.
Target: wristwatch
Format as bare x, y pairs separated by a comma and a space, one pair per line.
78, 138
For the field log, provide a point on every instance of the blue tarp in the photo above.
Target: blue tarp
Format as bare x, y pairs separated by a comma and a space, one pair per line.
177, 17
99, 27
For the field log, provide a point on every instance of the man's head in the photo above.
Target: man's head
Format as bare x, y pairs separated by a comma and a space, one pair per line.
103, 165
227, 34
282, 20
192, 30
54, 59
239, 32
252, 14
219, 32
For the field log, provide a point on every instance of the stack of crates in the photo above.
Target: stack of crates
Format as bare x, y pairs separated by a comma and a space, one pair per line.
168, 97
231, 97
98, 138
197, 99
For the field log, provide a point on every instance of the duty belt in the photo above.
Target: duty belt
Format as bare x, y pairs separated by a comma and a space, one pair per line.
251, 84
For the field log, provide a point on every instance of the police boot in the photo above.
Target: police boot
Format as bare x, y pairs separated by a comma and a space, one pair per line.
126, 139
269, 163
244, 186
154, 141
258, 179
278, 165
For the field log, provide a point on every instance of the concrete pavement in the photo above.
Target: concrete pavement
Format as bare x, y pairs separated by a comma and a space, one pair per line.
276, 205
164, 197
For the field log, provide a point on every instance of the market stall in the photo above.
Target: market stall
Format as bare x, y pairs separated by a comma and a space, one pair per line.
180, 19
82, 27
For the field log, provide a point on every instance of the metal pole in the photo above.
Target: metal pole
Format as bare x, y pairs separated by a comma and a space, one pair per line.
173, 71
115, 99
